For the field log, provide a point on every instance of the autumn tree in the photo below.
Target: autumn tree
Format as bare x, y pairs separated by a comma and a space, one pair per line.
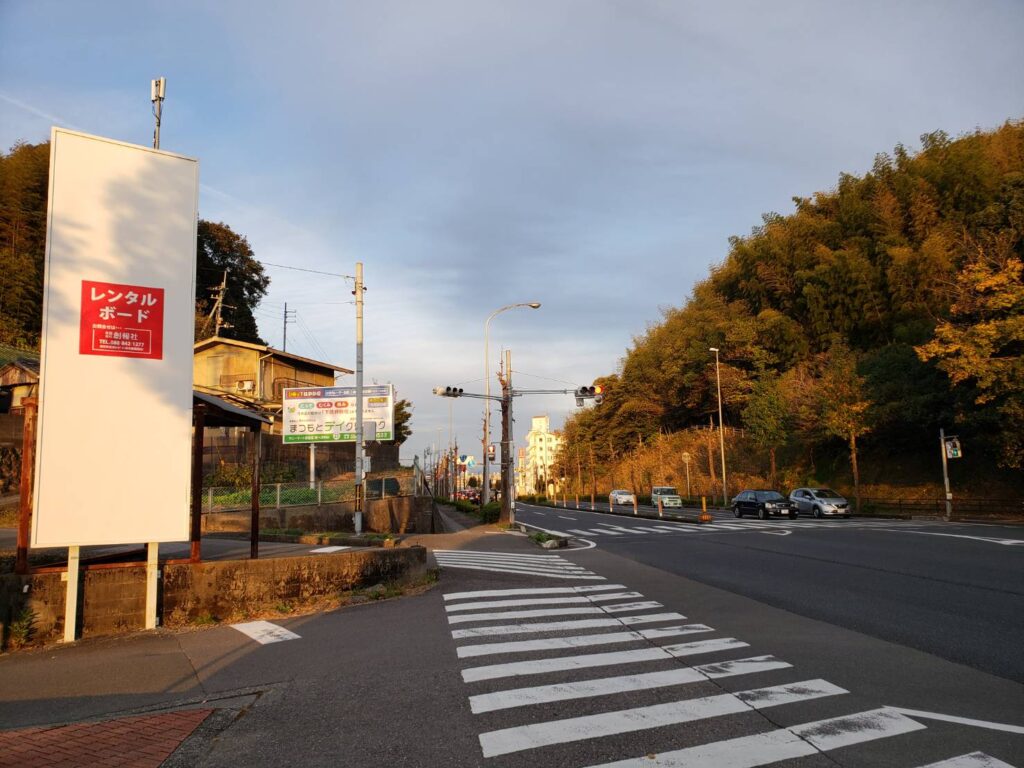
843, 404
981, 345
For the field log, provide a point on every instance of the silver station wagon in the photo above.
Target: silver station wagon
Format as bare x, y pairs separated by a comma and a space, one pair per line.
820, 502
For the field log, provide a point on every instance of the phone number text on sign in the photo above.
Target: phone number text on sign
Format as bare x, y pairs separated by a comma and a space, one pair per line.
121, 320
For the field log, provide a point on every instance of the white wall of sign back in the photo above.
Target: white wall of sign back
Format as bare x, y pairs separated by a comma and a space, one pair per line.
115, 419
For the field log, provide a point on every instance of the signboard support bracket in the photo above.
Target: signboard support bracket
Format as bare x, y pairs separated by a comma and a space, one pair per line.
152, 579
71, 596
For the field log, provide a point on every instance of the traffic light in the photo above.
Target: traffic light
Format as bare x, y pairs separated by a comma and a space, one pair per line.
596, 392
491, 451
448, 391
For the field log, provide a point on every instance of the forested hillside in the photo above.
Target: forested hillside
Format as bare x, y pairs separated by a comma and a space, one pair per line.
24, 177
860, 323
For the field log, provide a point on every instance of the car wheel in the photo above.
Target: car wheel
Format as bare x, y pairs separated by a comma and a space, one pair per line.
736, 511
762, 513
792, 515
817, 512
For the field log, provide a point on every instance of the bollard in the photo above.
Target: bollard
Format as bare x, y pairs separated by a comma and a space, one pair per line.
660, 511
705, 516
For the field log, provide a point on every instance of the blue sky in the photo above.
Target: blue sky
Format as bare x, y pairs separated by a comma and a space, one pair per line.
593, 155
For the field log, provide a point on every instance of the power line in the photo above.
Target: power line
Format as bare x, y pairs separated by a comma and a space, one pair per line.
301, 269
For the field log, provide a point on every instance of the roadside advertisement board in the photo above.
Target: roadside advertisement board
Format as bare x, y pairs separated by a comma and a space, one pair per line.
328, 414
113, 463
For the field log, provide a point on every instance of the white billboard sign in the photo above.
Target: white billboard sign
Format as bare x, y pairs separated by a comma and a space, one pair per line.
113, 463
328, 414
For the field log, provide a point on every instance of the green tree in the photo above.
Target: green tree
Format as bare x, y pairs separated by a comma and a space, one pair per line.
403, 414
766, 417
220, 249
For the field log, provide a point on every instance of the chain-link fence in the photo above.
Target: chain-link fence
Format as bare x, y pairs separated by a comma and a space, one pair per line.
279, 495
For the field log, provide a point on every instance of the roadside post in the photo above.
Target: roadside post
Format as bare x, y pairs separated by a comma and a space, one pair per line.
949, 447
686, 461
661, 512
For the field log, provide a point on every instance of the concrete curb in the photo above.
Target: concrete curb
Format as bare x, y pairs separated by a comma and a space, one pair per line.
555, 542
319, 539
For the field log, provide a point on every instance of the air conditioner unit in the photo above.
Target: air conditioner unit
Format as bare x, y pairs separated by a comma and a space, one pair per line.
246, 385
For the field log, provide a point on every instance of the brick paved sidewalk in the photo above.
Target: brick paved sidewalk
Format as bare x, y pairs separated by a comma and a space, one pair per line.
144, 741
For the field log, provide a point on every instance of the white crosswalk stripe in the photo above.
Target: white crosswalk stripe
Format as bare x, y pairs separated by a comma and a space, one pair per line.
972, 760
536, 735
648, 689
548, 566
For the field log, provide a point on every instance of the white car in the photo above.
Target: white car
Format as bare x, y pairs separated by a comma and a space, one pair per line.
621, 497
668, 496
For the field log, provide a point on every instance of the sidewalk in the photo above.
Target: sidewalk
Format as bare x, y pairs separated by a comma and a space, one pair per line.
141, 742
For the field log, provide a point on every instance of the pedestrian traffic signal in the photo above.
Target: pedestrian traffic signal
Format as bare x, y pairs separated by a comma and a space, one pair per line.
491, 452
448, 391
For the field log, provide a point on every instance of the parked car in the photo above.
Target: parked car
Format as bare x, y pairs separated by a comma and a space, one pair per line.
764, 504
621, 497
668, 496
820, 502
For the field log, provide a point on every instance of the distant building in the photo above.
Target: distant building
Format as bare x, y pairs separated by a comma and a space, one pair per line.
541, 449
522, 484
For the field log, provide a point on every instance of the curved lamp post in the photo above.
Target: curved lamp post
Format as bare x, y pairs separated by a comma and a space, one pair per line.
486, 495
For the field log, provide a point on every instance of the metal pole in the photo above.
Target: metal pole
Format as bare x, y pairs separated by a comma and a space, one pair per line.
284, 329
196, 533
359, 399
945, 474
152, 548
485, 495
71, 596
254, 494
721, 432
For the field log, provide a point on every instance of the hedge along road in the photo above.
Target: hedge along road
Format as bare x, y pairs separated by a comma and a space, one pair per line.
954, 590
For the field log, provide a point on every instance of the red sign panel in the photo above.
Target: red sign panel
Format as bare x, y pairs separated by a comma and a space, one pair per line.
121, 320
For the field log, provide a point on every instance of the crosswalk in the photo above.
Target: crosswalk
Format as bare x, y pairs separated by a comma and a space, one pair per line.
726, 525
540, 686
548, 566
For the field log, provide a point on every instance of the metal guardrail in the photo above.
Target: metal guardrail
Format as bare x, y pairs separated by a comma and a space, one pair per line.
967, 507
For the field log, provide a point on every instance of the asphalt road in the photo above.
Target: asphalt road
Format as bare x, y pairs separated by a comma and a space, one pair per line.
521, 657
954, 590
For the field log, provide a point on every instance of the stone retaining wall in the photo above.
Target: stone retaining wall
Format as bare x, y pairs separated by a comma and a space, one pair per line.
113, 599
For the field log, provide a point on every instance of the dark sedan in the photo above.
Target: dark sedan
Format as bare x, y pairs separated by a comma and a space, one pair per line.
764, 504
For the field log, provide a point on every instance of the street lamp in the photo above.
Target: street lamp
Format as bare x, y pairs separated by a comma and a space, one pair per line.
721, 426
486, 495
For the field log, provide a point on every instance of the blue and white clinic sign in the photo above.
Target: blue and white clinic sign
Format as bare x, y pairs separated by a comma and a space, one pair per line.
328, 414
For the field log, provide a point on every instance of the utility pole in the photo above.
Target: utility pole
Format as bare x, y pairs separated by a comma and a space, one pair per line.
289, 317
358, 517
507, 512
721, 428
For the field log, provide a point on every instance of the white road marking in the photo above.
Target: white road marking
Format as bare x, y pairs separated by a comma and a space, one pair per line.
586, 661
325, 550
743, 752
1006, 728
644, 606
517, 739
532, 591
517, 603
510, 562
263, 632
506, 615
604, 532
742, 666
544, 694
554, 558
562, 664
520, 571
777, 533
563, 626
566, 518
987, 539
854, 729
972, 760
577, 641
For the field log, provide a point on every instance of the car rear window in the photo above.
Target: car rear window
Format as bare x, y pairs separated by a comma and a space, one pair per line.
825, 493
769, 496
